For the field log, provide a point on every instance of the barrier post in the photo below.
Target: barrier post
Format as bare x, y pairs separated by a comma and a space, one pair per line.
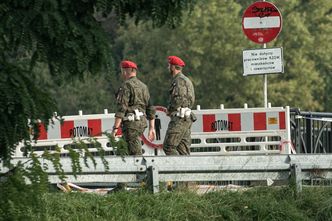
153, 179
288, 145
296, 178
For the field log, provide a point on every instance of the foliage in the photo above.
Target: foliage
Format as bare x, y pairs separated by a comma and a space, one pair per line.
210, 40
20, 201
252, 204
119, 144
159, 12
66, 37
22, 105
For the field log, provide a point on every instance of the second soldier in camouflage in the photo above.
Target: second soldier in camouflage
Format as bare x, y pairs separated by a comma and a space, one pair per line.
181, 100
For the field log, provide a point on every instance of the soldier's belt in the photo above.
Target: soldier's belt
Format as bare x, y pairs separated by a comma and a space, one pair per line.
182, 112
136, 116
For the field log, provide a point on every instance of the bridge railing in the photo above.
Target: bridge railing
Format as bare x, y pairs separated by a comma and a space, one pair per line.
158, 169
311, 132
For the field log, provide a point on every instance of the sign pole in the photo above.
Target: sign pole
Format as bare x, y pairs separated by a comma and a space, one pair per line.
261, 23
265, 82
265, 85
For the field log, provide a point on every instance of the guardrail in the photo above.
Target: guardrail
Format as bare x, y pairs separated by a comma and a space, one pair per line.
156, 169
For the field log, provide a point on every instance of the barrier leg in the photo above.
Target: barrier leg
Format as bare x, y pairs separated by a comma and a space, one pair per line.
296, 177
153, 179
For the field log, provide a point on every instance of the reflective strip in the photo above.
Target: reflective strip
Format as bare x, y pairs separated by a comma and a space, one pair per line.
247, 121
208, 120
235, 119
282, 120
197, 126
260, 121
272, 120
95, 126
107, 125
65, 129
42, 132
54, 130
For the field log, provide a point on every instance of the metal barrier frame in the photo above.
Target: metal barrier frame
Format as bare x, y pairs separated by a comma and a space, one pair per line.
158, 169
311, 131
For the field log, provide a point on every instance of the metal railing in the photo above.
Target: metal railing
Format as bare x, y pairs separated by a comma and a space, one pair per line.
158, 169
311, 132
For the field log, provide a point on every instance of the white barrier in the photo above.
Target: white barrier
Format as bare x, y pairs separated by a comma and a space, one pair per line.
216, 131
242, 131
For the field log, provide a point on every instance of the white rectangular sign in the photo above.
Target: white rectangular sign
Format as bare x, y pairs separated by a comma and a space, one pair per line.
262, 61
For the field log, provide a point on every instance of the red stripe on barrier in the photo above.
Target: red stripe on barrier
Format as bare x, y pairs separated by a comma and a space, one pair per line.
208, 122
259, 121
42, 132
234, 121
282, 120
66, 127
95, 126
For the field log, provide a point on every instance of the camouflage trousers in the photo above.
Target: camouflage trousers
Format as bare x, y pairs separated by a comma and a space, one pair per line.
132, 131
178, 140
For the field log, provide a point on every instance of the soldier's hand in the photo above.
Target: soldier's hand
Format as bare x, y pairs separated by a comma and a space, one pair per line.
114, 132
152, 134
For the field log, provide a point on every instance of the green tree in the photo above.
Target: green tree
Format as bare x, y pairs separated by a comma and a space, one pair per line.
210, 40
65, 36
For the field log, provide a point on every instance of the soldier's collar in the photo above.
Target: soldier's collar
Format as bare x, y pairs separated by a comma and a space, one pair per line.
177, 75
132, 77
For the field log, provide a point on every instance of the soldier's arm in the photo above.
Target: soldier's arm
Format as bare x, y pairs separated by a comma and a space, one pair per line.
150, 110
122, 101
150, 114
191, 94
179, 95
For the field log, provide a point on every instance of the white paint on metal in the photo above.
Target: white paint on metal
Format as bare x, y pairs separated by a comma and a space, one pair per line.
265, 22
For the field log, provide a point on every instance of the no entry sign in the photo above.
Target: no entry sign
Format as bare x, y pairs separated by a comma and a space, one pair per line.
261, 22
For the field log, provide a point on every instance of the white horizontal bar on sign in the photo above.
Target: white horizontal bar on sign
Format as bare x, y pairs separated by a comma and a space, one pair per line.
265, 22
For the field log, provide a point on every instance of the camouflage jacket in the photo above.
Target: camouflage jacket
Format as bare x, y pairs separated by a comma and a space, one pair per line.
181, 92
134, 94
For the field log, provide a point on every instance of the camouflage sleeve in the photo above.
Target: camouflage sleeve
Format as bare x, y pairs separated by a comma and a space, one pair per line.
191, 94
178, 92
150, 111
122, 100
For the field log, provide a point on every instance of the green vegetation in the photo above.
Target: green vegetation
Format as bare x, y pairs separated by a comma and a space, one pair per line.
210, 40
65, 41
21, 202
63, 56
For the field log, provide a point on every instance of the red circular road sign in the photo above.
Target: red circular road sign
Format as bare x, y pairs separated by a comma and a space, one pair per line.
261, 22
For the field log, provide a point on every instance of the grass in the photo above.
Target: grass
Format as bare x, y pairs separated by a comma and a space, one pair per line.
19, 201
266, 203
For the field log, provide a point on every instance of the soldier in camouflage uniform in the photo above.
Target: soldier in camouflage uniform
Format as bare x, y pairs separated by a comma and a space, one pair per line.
182, 98
133, 102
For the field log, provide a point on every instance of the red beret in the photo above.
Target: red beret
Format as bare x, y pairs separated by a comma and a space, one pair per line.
128, 64
176, 61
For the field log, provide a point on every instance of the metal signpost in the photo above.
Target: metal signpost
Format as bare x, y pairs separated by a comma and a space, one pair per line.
261, 23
